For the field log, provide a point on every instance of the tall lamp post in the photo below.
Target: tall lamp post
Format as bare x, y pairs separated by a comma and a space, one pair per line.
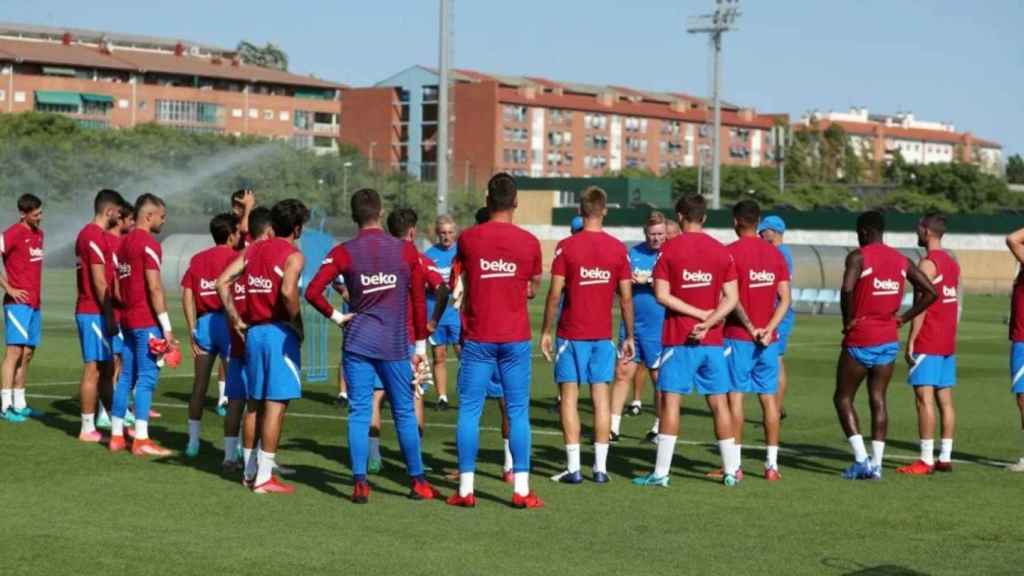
344, 181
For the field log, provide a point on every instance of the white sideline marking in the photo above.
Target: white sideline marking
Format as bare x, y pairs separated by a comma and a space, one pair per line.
535, 432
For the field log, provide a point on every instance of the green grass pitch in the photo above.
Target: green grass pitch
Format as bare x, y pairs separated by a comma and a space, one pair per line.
73, 508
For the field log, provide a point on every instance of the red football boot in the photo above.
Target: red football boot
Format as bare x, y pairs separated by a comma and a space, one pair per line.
917, 468
508, 477
117, 444
772, 475
467, 501
422, 490
147, 447
941, 466
361, 492
529, 501
273, 486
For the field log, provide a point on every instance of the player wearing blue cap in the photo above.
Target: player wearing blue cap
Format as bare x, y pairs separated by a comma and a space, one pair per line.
773, 229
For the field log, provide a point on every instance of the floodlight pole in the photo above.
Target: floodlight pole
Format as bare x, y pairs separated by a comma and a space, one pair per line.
442, 115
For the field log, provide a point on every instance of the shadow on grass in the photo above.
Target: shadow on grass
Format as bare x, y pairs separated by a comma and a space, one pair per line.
853, 568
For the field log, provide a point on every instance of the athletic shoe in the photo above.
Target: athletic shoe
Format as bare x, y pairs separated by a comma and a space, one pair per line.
222, 410
92, 437
601, 477
567, 477
373, 466
341, 401
652, 437
248, 482
27, 412
1018, 466
719, 474
231, 466
11, 416
273, 486
730, 480
153, 414
941, 466
442, 404
129, 418
192, 450
147, 447
422, 490
117, 444
613, 438
103, 421
876, 473
859, 471
651, 480
772, 475
916, 468
508, 477
283, 470
360, 492
467, 501
634, 408
529, 501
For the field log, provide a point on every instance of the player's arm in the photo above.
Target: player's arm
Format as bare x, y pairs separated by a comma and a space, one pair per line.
418, 297
158, 302
332, 266
726, 304
779, 314
98, 278
224, 285
663, 294
188, 306
550, 310
930, 270
290, 284
924, 293
248, 203
740, 315
16, 294
1015, 242
441, 294
854, 265
628, 346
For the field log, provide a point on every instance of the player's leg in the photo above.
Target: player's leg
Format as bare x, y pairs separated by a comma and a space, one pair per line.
721, 415
235, 391
202, 365
222, 386
735, 403
652, 434
571, 360
1019, 465
95, 351
477, 364
122, 392
600, 370
284, 384
947, 427
440, 352
849, 374
397, 377
506, 469
714, 383
147, 375
878, 388
19, 402
12, 357
360, 376
374, 462
675, 378
515, 366
765, 382
625, 370
783, 384
1017, 388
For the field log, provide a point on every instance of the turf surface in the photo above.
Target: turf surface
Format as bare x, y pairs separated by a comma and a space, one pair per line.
74, 508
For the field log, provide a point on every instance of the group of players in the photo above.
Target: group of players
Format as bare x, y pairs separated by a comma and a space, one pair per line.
695, 314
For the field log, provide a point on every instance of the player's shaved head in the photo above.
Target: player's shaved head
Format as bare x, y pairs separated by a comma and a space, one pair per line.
365, 206
147, 202
259, 221
692, 208
746, 213
150, 212
105, 200
593, 202
401, 220
501, 192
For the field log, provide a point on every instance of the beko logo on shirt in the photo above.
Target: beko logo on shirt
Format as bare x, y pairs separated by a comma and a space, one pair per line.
948, 294
696, 279
239, 289
761, 278
377, 282
260, 284
35, 254
594, 276
207, 287
886, 287
497, 268
124, 270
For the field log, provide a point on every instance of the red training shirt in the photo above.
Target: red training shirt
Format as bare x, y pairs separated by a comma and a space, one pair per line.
22, 251
92, 249
201, 276
593, 264
760, 267
139, 252
877, 297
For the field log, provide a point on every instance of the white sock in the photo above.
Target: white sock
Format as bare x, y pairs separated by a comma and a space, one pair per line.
663, 461
616, 423
249, 455
738, 449
637, 403
860, 453
230, 448
465, 484
730, 457
442, 398
88, 423
601, 457
141, 429
265, 467
374, 448
572, 457
928, 451
657, 424
116, 426
521, 485
221, 398
343, 395
508, 457
5, 399
772, 461
946, 450
101, 412
193, 431
19, 399
877, 452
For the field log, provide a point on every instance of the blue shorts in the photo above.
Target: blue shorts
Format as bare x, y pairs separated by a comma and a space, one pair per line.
235, 385
648, 349
272, 361
783, 332
446, 335
362, 370
871, 356
933, 370
211, 334
93, 341
23, 325
117, 343
584, 361
684, 366
753, 369
1017, 367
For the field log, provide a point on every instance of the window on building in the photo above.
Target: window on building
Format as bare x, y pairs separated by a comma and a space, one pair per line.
191, 112
302, 120
514, 113
430, 93
268, 114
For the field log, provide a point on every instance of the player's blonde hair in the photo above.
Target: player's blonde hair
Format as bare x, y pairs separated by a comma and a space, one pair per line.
654, 219
442, 220
593, 201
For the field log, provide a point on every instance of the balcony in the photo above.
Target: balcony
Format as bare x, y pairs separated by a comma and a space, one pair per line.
329, 129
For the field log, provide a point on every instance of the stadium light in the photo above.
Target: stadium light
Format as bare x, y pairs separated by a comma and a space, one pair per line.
722, 20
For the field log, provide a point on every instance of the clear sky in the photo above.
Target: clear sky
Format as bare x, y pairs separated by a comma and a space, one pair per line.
948, 60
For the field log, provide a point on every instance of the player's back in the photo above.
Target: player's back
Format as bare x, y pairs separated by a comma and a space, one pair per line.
696, 266
760, 267
201, 276
91, 248
877, 296
592, 264
499, 260
264, 275
938, 330
138, 252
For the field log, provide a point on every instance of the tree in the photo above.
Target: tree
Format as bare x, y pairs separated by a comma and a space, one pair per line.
269, 56
1015, 169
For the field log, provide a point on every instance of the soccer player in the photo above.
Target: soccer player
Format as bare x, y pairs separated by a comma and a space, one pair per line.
931, 347
1015, 242
448, 329
773, 229
870, 300
125, 223
695, 280
751, 344
590, 267
382, 274
259, 230
502, 266
94, 309
672, 229
648, 318
207, 326
145, 323
272, 329
21, 247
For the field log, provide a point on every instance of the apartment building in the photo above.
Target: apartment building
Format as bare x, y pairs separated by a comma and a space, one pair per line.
108, 80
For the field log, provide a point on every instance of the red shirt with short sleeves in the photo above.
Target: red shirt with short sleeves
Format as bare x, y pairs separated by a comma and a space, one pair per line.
139, 252
696, 266
593, 264
499, 260
264, 273
113, 245
877, 297
22, 251
1017, 308
938, 331
201, 277
92, 249
760, 267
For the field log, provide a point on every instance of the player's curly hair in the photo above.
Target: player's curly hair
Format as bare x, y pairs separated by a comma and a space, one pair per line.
287, 215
